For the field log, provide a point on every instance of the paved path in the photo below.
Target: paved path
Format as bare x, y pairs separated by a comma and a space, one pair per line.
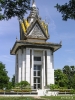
38, 97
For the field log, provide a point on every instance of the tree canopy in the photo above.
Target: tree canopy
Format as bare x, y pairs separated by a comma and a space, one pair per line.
60, 79
12, 8
13, 80
67, 10
65, 77
4, 79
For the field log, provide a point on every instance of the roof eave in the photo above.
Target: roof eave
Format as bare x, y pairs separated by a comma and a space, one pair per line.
17, 44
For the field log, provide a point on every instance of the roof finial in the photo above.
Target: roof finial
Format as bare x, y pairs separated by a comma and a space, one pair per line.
16, 38
33, 3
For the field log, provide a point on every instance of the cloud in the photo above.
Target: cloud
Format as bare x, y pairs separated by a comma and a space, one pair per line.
6, 58
6, 27
71, 61
64, 36
49, 20
67, 36
69, 51
52, 25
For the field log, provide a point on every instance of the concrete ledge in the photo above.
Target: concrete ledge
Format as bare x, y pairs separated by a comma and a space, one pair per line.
46, 92
39, 92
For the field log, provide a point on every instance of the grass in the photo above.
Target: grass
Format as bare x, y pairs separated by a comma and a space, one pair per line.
59, 97
16, 98
46, 98
19, 98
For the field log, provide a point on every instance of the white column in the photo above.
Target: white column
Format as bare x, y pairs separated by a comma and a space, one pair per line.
16, 80
44, 67
53, 67
23, 65
28, 65
48, 67
32, 68
50, 70
52, 61
43, 70
19, 65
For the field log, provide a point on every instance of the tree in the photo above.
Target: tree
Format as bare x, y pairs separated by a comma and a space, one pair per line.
65, 78
4, 79
69, 71
60, 78
73, 81
13, 81
67, 10
9, 86
12, 8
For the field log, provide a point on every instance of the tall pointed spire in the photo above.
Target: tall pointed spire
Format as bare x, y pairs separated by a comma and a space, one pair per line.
33, 13
33, 3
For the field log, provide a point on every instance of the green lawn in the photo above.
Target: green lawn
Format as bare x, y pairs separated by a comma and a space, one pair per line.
45, 98
59, 97
16, 98
19, 98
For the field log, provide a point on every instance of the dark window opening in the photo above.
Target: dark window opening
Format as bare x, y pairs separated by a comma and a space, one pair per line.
38, 73
34, 86
34, 73
34, 80
37, 58
39, 86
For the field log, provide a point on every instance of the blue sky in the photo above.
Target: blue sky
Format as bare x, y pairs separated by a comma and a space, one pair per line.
59, 30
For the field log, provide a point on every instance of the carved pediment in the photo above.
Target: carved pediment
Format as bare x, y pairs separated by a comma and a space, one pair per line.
36, 32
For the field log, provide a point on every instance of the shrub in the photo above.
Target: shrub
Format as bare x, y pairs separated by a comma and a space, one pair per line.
53, 86
1, 90
22, 84
22, 90
72, 91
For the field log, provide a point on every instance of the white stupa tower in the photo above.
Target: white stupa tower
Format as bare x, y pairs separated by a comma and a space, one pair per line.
34, 56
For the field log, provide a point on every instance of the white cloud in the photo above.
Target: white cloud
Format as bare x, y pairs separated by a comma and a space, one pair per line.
52, 25
71, 61
70, 51
49, 20
67, 36
64, 36
6, 58
6, 27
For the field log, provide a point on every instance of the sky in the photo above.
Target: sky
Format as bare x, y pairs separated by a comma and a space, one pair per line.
58, 29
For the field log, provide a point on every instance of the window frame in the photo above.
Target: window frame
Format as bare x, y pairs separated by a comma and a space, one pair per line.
37, 58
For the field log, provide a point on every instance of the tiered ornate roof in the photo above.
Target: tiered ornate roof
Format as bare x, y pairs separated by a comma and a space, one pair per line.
34, 22
34, 33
